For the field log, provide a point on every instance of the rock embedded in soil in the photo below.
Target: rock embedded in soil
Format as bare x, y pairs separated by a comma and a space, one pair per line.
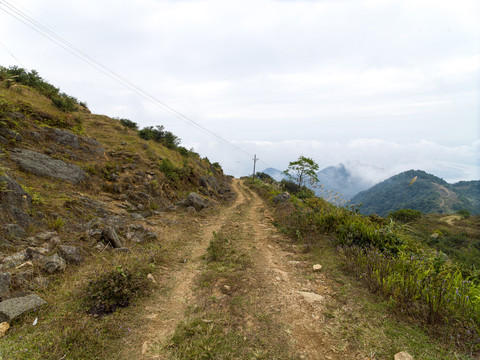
53, 264
403, 356
35, 253
317, 267
4, 326
312, 298
46, 236
44, 165
70, 254
110, 236
13, 260
14, 194
281, 198
12, 308
13, 230
5, 279
195, 200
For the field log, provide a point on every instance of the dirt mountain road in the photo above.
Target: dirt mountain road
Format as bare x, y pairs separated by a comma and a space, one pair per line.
277, 285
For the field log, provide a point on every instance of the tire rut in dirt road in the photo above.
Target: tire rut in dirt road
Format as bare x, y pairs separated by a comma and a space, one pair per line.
165, 313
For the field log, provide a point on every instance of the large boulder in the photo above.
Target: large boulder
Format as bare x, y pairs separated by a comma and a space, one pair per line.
44, 165
12, 308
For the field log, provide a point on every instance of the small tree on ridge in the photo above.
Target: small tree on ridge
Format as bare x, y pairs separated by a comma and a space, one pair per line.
303, 171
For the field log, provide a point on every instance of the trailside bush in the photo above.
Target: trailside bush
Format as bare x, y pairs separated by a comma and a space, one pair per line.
113, 290
129, 124
170, 171
158, 134
362, 233
405, 215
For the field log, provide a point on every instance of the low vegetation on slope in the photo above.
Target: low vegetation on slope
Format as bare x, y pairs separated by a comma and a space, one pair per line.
82, 199
394, 259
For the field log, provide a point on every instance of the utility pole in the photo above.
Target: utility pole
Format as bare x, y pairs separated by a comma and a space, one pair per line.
254, 162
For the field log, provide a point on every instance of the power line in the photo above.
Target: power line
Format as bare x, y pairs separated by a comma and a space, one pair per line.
11, 54
51, 35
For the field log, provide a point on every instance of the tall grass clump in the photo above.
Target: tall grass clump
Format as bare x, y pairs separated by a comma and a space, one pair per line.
424, 286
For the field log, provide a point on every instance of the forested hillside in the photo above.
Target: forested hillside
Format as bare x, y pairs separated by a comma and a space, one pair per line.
428, 194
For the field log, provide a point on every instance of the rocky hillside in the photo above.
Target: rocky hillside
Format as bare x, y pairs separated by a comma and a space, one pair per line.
428, 194
73, 183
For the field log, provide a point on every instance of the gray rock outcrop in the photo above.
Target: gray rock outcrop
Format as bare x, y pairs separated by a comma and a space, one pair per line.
66, 138
44, 165
53, 264
281, 198
109, 235
13, 260
13, 230
70, 254
12, 308
14, 194
194, 200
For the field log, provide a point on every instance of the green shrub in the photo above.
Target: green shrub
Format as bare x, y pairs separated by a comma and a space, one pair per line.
171, 172
113, 290
65, 102
56, 224
265, 177
362, 233
128, 124
183, 151
109, 171
405, 215
290, 186
158, 134
464, 213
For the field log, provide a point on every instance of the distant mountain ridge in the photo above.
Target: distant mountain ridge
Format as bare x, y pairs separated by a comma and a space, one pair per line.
275, 173
428, 194
338, 179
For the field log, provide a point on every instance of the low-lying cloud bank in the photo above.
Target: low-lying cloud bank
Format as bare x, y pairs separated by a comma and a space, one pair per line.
371, 159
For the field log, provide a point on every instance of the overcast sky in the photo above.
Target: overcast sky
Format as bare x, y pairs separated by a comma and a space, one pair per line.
378, 84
